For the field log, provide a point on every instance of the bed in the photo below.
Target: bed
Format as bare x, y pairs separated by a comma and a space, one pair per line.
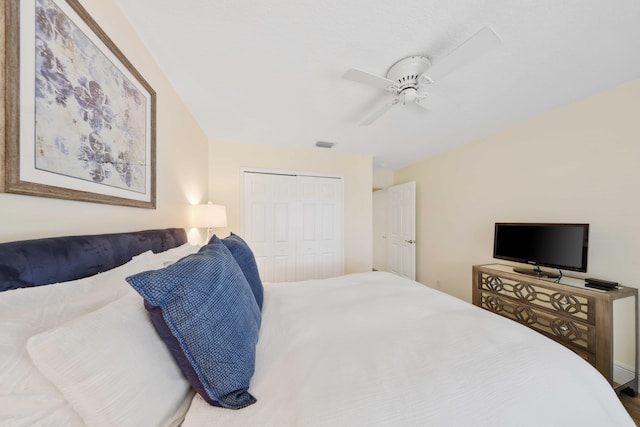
91, 334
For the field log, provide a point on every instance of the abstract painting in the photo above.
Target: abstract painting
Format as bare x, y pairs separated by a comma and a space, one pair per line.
84, 125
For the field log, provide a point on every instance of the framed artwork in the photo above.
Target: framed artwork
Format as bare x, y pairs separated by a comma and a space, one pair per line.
80, 120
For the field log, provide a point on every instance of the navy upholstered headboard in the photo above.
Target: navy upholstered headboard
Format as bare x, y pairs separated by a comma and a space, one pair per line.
59, 259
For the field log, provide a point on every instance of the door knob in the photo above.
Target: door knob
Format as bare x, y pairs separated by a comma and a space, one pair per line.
410, 241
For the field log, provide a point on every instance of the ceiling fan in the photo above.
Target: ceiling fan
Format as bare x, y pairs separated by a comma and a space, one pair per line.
409, 78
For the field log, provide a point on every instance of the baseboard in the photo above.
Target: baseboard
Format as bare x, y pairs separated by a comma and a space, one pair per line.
622, 373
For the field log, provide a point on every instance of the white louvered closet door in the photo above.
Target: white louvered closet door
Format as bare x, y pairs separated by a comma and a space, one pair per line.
294, 225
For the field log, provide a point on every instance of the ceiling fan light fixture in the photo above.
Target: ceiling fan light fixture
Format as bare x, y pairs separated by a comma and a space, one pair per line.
409, 95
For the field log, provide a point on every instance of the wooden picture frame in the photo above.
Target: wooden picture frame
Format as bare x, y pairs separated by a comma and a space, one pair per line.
79, 118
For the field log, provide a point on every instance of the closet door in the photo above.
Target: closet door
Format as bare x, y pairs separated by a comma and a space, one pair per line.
270, 224
294, 225
320, 231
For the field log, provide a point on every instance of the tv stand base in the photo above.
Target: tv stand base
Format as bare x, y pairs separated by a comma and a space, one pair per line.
536, 272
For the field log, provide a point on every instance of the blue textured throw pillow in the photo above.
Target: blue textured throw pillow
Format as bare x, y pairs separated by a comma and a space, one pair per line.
247, 262
205, 311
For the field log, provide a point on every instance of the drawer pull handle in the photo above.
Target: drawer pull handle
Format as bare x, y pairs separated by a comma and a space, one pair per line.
564, 302
564, 328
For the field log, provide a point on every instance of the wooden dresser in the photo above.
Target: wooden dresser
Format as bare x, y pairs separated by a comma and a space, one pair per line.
580, 318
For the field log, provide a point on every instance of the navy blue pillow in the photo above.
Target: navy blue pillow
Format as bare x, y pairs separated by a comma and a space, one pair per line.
247, 262
205, 311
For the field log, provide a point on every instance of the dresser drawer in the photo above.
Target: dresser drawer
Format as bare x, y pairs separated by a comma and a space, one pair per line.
568, 312
578, 307
575, 334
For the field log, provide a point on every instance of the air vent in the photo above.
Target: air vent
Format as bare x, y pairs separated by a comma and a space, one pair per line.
325, 144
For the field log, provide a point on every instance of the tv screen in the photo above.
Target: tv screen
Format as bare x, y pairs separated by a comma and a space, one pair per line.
561, 246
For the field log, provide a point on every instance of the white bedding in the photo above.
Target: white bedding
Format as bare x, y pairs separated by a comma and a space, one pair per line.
359, 350
27, 397
374, 349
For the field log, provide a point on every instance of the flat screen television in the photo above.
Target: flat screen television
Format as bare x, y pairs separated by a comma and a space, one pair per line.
560, 246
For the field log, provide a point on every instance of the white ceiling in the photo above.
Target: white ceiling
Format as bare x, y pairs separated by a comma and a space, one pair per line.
270, 72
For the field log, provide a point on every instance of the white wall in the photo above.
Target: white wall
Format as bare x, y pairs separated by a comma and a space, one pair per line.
181, 160
380, 230
580, 163
227, 159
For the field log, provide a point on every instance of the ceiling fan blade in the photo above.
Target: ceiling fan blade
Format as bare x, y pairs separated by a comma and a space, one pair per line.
368, 78
473, 48
433, 102
379, 112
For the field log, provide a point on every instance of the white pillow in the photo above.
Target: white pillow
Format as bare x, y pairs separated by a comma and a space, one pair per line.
27, 398
112, 367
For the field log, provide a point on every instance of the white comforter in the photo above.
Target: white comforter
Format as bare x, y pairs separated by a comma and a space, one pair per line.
374, 349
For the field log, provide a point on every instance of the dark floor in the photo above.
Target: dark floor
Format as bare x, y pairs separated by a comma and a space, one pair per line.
633, 406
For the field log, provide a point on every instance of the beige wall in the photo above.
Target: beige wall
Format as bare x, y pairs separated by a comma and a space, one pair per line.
580, 163
227, 159
382, 179
181, 161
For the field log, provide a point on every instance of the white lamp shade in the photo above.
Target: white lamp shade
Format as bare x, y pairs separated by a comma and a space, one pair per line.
209, 216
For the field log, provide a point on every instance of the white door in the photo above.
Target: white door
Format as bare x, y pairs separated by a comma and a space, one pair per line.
270, 224
320, 228
380, 230
402, 229
294, 225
